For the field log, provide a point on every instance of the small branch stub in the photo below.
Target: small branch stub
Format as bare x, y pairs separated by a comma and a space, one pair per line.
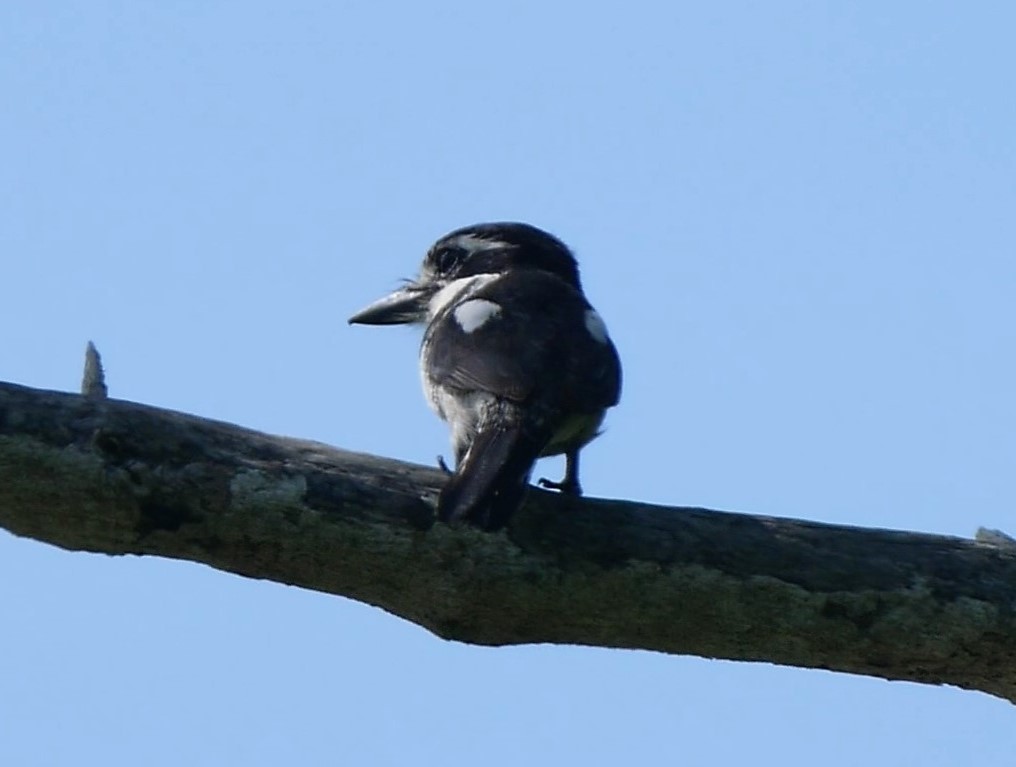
995, 538
93, 381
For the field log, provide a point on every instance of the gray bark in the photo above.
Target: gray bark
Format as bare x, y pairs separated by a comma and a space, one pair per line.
102, 475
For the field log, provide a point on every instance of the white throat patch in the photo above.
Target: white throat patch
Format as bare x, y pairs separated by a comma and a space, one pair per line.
464, 286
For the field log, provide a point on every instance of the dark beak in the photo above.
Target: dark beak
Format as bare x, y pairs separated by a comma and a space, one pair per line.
405, 305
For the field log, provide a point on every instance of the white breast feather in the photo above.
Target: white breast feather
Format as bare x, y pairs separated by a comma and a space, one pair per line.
596, 326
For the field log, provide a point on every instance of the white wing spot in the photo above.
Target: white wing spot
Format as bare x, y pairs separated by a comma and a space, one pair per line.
596, 326
475, 313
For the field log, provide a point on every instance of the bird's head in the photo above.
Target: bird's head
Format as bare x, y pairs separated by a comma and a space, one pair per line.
473, 252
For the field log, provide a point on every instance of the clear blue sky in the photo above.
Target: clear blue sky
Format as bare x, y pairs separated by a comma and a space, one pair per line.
796, 217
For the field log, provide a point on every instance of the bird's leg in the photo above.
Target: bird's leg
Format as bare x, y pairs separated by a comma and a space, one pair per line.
460, 453
570, 484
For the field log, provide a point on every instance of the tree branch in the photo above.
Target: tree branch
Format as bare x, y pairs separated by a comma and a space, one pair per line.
103, 475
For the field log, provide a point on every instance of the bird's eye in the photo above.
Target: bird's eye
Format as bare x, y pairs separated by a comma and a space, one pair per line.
446, 259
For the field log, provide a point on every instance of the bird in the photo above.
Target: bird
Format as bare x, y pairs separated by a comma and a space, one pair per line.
514, 358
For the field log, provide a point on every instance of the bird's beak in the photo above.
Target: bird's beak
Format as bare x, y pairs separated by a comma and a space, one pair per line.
403, 306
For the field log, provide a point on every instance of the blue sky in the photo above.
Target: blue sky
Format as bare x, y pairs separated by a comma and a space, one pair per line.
796, 218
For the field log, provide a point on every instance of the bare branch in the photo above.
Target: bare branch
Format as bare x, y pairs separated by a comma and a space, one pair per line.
122, 478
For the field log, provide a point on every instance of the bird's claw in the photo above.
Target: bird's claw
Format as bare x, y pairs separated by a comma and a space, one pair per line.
442, 465
567, 486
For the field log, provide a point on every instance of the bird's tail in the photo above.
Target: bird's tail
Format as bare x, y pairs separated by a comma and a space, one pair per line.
490, 482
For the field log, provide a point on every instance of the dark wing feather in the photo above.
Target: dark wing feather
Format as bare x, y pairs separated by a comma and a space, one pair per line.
538, 345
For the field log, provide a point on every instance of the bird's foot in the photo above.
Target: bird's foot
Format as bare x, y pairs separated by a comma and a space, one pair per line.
567, 486
442, 465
